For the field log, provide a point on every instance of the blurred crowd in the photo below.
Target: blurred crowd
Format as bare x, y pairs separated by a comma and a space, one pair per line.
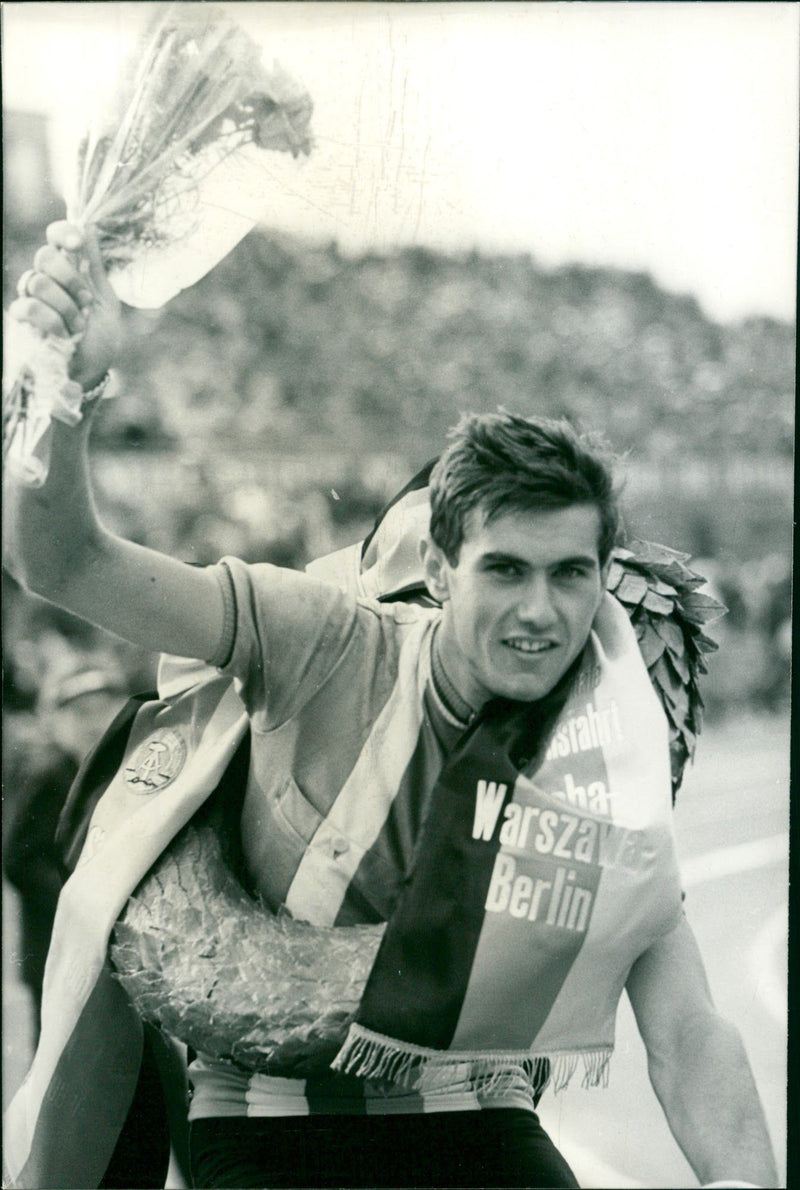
752, 668
62, 686
271, 410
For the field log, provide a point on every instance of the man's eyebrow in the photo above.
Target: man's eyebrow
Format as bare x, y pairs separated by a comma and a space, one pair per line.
493, 556
579, 560
502, 556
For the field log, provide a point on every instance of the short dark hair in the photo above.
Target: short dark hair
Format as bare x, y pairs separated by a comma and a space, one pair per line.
500, 462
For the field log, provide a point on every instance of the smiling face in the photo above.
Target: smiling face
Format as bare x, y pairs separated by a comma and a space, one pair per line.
519, 602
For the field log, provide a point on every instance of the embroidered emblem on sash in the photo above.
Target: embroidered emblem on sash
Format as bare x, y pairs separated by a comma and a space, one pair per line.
157, 762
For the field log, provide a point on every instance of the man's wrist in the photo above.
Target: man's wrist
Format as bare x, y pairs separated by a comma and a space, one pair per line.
88, 383
105, 386
74, 398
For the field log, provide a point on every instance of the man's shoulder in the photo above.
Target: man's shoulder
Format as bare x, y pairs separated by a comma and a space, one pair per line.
398, 612
324, 591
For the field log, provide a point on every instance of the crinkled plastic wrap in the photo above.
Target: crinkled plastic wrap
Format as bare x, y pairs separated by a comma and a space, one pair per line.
171, 175
215, 968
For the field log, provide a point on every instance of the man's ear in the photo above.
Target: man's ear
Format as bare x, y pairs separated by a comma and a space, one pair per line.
434, 570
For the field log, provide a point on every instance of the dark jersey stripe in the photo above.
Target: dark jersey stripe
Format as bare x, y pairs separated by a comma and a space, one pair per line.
388, 863
420, 977
333, 1094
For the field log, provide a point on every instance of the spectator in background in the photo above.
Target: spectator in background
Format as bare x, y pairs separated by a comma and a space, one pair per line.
73, 709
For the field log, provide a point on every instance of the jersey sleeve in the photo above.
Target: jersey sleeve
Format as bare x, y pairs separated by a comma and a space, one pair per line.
286, 634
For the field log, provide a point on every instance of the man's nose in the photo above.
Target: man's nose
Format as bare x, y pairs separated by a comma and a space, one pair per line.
536, 606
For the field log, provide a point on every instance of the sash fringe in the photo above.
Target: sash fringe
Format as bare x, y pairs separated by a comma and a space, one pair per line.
371, 1055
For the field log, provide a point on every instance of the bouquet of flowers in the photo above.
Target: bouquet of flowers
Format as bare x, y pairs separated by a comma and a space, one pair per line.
159, 170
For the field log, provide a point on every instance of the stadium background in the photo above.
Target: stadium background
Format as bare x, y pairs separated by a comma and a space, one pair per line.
269, 412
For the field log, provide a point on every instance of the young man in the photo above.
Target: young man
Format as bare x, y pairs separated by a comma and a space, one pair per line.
491, 777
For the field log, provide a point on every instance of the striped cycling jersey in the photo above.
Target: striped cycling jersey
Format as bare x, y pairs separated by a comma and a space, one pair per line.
347, 741
349, 732
221, 1089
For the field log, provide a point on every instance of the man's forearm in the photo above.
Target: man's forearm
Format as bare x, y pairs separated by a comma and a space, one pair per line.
712, 1106
54, 541
51, 531
59, 549
48, 531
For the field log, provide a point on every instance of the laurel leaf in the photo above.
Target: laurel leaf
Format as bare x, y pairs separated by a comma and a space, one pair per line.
632, 588
701, 608
650, 643
615, 575
704, 644
662, 588
670, 633
680, 664
658, 603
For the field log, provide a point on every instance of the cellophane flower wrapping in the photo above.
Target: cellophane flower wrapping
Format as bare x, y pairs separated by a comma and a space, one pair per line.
166, 174
214, 967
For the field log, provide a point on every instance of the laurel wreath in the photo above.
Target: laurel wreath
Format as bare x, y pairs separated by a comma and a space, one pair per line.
214, 967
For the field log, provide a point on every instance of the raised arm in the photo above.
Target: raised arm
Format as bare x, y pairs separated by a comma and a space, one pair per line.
54, 542
698, 1066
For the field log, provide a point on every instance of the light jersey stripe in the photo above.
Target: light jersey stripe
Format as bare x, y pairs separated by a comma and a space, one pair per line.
363, 804
219, 1089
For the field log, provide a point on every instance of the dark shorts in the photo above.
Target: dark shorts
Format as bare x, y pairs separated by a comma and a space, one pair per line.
496, 1147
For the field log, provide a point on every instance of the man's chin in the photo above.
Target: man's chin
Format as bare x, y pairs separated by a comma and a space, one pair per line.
527, 689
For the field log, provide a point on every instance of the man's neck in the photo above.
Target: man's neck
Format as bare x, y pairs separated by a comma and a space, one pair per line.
453, 702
